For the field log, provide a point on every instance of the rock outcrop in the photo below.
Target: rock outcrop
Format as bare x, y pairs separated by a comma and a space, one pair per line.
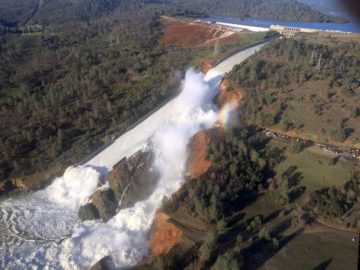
6, 186
17, 183
134, 179
106, 203
131, 180
88, 212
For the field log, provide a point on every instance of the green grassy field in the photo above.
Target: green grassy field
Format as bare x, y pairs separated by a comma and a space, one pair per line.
315, 167
323, 250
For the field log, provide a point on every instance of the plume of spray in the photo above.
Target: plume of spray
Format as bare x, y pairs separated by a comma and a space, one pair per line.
74, 187
124, 237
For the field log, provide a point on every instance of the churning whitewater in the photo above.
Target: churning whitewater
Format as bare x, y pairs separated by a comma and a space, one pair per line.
41, 230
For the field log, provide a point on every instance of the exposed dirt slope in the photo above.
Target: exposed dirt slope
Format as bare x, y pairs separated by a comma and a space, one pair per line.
229, 95
192, 33
164, 235
198, 163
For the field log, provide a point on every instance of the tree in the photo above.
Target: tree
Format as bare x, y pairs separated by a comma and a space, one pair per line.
284, 198
339, 134
296, 146
233, 170
221, 224
199, 205
207, 247
264, 234
355, 112
205, 252
238, 243
275, 242
229, 261
254, 224
159, 264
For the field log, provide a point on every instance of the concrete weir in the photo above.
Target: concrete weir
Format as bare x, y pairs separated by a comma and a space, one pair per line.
246, 27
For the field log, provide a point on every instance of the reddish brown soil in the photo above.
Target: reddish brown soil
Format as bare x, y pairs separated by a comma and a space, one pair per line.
183, 33
165, 235
198, 164
205, 66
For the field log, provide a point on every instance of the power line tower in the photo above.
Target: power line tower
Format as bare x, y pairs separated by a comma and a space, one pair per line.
318, 66
216, 47
312, 57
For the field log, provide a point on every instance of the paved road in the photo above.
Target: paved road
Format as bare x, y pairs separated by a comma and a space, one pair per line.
351, 154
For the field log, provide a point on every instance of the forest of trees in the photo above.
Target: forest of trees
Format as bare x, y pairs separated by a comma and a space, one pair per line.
316, 74
334, 202
13, 12
297, 60
291, 10
242, 167
66, 87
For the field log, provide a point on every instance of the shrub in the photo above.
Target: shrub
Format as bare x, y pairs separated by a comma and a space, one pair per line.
296, 146
264, 234
229, 261
284, 198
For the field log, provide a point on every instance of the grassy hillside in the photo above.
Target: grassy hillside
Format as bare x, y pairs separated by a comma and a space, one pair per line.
308, 87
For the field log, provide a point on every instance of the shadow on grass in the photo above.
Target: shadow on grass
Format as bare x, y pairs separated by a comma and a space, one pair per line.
260, 251
272, 216
283, 226
293, 176
245, 198
296, 193
323, 265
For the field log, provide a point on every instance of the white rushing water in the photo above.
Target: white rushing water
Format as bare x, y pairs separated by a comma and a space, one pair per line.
41, 230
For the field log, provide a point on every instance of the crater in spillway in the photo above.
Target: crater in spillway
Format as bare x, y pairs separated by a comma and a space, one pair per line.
42, 230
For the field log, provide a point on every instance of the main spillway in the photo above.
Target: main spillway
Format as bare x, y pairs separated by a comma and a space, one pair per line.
41, 230
130, 142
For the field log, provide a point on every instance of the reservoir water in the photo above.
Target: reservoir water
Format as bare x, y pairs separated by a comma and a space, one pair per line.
351, 27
